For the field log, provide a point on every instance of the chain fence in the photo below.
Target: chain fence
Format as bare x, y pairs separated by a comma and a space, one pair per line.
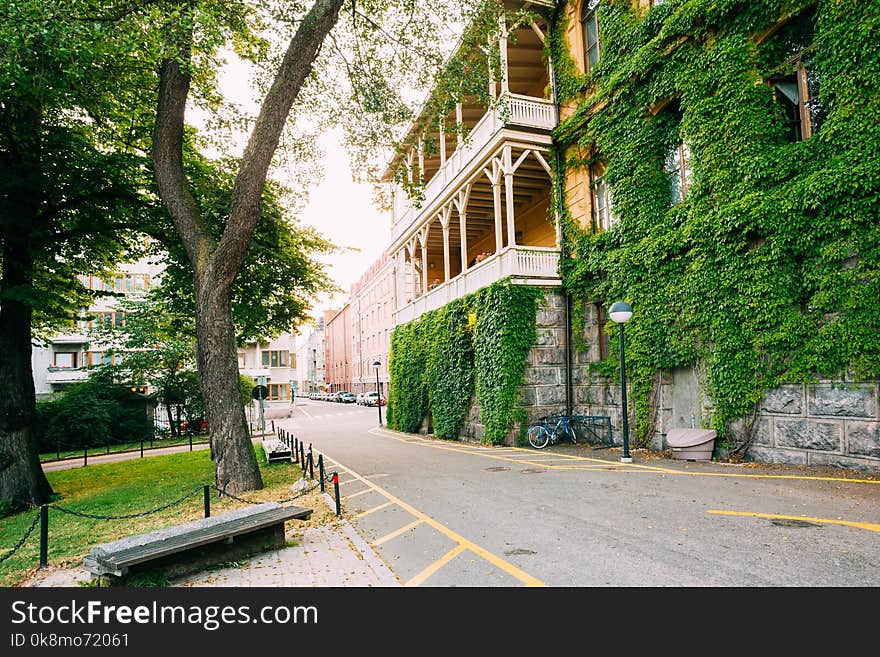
305, 460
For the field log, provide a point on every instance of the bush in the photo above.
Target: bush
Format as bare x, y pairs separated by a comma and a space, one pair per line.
92, 414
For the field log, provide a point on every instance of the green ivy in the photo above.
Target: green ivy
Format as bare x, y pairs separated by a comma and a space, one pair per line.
441, 360
769, 270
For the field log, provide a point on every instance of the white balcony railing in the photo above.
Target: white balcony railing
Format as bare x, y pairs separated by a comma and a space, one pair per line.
534, 263
518, 112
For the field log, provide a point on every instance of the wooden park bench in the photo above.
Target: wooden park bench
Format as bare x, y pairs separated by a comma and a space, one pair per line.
192, 546
276, 450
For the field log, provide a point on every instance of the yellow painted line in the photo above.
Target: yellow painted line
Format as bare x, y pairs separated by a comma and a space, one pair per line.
437, 565
870, 526
509, 568
635, 467
397, 532
360, 492
375, 508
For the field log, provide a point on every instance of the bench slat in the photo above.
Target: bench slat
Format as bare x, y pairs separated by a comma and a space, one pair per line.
201, 536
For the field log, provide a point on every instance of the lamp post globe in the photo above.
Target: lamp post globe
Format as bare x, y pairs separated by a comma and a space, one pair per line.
620, 312
377, 365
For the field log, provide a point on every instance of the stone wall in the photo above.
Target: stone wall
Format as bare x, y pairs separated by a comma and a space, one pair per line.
826, 423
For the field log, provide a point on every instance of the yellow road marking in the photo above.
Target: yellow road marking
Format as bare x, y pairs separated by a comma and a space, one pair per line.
375, 508
360, 492
848, 523
509, 568
612, 465
437, 565
397, 532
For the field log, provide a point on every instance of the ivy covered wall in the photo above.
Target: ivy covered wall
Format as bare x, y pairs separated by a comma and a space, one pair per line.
475, 346
768, 269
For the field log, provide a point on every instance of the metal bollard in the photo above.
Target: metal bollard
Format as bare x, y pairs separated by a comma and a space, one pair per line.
311, 463
108, 445
302, 457
207, 494
58, 449
321, 470
336, 490
190, 442
142, 448
85, 455
44, 535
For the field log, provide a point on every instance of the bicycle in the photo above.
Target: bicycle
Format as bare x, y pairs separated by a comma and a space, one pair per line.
549, 429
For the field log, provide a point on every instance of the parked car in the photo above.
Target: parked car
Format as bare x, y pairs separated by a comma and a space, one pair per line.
360, 398
372, 398
331, 397
346, 398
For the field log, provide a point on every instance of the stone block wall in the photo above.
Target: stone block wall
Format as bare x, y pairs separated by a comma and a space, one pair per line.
826, 423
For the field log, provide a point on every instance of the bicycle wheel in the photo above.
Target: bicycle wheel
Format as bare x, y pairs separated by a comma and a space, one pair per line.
539, 437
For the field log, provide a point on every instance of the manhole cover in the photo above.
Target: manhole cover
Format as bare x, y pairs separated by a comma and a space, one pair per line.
498, 468
533, 470
788, 522
518, 551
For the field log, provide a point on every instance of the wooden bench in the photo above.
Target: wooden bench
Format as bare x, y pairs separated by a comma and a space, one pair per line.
276, 450
190, 547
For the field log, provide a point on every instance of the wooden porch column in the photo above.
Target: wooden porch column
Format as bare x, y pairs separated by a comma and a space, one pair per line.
508, 197
495, 178
462, 224
445, 216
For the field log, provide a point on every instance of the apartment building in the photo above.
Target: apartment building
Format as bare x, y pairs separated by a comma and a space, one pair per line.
372, 317
338, 348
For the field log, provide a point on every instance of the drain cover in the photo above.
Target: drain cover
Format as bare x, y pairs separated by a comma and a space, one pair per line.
788, 522
518, 551
533, 470
497, 468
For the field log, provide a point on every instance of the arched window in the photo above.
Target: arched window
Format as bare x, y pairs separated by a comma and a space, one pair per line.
590, 31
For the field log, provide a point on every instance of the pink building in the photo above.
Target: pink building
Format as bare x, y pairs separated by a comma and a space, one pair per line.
337, 348
372, 319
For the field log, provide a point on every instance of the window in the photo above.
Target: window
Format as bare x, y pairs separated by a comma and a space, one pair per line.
602, 200
797, 95
97, 358
590, 31
678, 167
65, 359
274, 358
241, 360
279, 391
793, 76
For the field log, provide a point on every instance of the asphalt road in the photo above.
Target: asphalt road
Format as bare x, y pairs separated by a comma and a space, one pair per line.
448, 514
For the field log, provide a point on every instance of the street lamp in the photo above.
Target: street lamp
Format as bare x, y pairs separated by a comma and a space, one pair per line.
377, 364
620, 313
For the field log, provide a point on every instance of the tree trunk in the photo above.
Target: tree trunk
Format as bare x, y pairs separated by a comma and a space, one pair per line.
217, 263
21, 475
235, 463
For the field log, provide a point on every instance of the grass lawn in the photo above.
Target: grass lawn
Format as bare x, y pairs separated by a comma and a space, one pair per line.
132, 487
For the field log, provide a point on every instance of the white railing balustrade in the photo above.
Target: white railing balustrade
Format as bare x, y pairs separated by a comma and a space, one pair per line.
534, 263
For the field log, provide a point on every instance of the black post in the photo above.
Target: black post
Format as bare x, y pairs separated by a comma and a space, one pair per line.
378, 397
207, 494
85, 455
57, 449
190, 441
302, 457
296, 447
108, 445
336, 490
142, 448
311, 463
625, 422
44, 535
321, 470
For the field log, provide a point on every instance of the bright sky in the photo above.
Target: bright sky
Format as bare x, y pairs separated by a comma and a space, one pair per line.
343, 212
